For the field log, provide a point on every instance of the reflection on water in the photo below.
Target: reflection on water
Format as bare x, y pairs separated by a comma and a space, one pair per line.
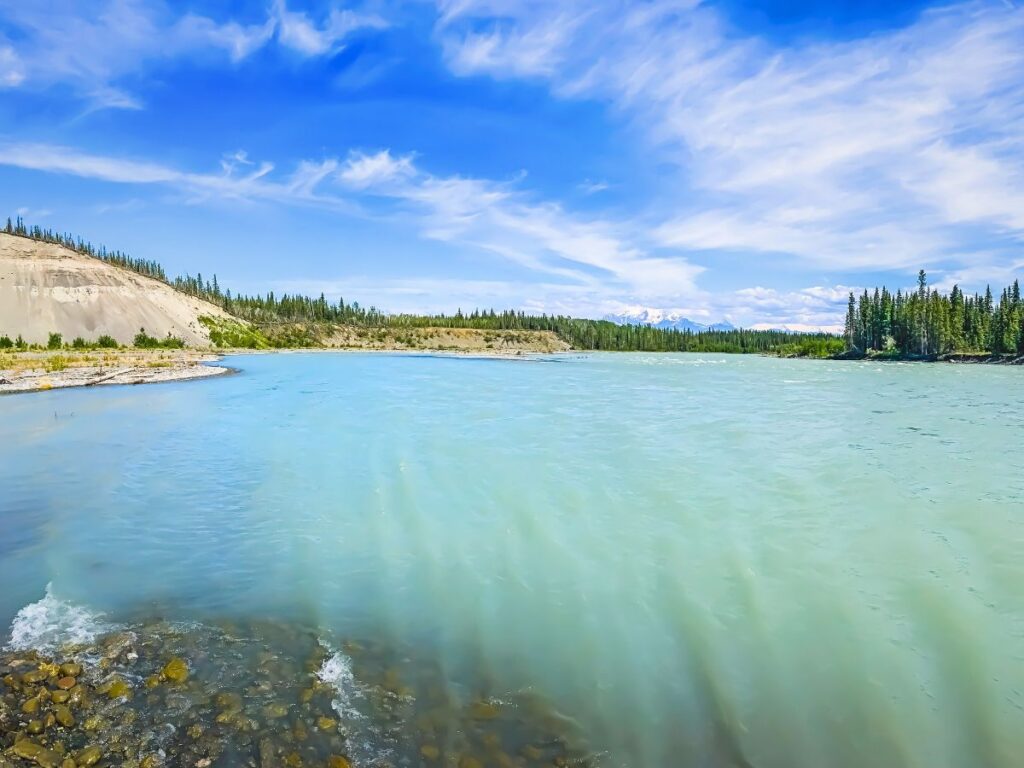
684, 560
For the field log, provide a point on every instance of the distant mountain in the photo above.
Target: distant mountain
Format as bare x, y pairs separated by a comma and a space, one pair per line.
664, 319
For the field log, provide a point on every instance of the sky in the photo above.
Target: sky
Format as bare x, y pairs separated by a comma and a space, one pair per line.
742, 161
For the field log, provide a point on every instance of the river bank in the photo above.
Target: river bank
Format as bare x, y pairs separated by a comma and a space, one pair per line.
980, 358
41, 370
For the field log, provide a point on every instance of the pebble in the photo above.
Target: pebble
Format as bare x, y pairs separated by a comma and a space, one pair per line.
64, 716
88, 756
33, 676
40, 755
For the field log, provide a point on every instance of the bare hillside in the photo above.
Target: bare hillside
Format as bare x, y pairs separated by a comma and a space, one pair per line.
47, 288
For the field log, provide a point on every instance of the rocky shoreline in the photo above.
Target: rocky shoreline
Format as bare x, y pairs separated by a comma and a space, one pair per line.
979, 358
160, 694
43, 372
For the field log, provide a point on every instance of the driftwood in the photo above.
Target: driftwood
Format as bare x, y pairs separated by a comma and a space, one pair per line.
108, 377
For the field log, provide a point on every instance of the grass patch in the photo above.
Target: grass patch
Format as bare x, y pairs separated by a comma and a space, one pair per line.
234, 334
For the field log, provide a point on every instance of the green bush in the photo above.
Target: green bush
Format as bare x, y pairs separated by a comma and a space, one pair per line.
56, 341
79, 343
106, 342
144, 341
5, 342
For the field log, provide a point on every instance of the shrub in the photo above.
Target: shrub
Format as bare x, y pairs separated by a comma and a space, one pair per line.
20, 343
56, 341
145, 341
106, 342
5, 342
56, 363
79, 343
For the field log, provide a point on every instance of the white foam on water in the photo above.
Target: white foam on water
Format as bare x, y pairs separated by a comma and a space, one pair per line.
367, 743
336, 672
51, 623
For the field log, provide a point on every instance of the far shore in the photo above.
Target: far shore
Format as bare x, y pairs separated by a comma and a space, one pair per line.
963, 358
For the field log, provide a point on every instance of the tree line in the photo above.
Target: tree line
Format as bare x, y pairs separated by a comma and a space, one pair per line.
142, 266
271, 309
926, 323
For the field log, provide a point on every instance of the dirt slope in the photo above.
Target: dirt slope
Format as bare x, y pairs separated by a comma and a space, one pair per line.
47, 288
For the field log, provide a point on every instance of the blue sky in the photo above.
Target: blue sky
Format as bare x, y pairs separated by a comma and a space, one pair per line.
724, 160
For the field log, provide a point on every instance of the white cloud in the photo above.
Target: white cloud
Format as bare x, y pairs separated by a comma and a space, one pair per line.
11, 72
533, 52
604, 258
240, 41
362, 170
96, 47
589, 187
298, 32
892, 150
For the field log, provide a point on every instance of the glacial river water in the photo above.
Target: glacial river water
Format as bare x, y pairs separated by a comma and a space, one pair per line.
694, 560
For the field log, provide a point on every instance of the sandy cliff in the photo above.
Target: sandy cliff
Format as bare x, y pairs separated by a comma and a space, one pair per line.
46, 288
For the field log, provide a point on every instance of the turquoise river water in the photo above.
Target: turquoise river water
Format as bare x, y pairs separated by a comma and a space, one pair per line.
697, 560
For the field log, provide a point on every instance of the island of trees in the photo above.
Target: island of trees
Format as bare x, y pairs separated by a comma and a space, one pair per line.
928, 324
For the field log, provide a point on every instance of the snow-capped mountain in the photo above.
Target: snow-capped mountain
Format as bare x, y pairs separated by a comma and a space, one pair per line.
663, 318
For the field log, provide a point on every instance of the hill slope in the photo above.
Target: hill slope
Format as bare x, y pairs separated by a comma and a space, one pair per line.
48, 288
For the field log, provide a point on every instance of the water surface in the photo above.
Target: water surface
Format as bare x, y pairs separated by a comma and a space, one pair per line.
700, 560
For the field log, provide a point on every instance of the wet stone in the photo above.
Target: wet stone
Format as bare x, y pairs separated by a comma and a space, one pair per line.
38, 754
116, 689
175, 670
33, 676
430, 752
60, 697
88, 756
66, 683
63, 715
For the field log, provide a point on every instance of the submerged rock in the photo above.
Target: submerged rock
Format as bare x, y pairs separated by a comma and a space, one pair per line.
64, 716
38, 754
88, 756
269, 697
175, 670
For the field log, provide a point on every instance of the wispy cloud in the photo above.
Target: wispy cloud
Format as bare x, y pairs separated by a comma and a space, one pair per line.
589, 187
891, 151
539, 235
581, 253
11, 71
99, 48
297, 31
